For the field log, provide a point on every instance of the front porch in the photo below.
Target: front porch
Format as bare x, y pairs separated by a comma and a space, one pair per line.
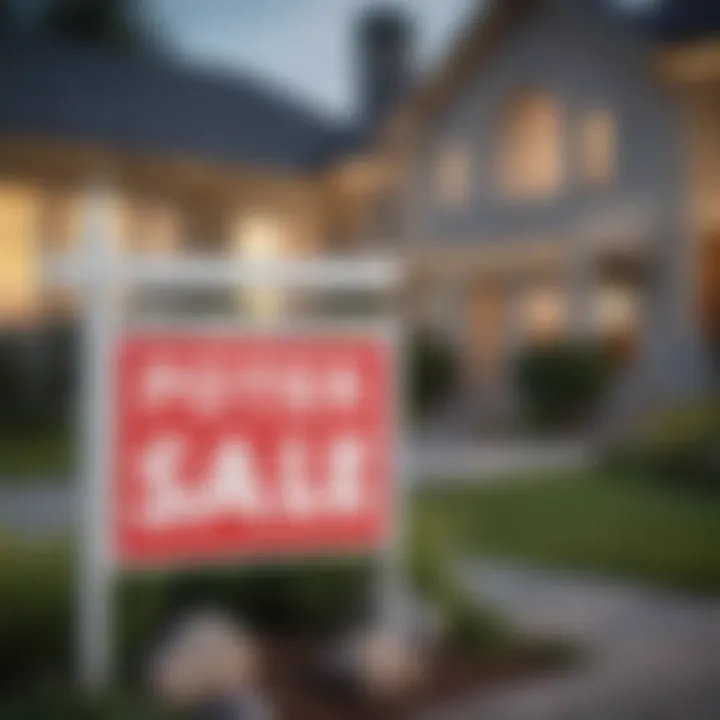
494, 301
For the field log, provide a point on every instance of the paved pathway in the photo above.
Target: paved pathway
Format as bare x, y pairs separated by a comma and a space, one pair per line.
650, 656
41, 508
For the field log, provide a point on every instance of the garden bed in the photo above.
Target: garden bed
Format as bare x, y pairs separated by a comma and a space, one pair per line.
457, 676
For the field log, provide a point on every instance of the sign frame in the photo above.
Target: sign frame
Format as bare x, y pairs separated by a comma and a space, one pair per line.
98, 271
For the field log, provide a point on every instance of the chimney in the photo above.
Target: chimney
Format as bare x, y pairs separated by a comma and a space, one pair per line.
385, 59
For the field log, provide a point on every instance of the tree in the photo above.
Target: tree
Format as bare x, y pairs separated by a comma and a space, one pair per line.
116, 23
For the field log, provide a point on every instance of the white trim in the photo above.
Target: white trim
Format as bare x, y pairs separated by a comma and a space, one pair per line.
197, 273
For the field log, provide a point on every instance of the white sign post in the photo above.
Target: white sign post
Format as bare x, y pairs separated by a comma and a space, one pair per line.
100, 273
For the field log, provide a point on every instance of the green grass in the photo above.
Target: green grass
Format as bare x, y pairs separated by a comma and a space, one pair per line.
44, 454
609, 526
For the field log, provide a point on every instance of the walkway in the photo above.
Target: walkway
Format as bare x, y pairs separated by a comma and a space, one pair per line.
650, 656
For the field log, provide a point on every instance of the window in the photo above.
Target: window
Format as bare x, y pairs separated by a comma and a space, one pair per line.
154, 228
617, 318
545, 314
19, 261
531, 147
259, 239
452, 176
597, 147
61, 225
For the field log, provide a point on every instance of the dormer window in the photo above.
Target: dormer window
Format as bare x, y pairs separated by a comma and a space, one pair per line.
452, 176
532, 163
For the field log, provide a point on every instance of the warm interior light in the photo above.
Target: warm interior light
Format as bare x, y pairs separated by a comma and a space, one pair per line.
259, 239
616, 309
19, 280
546, 313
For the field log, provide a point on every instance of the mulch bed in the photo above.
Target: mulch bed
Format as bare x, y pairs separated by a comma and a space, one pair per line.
299, 694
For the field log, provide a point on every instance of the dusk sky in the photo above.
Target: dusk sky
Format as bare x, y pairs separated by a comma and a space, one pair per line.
306, 45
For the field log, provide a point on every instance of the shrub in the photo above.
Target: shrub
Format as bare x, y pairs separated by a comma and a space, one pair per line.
561, 385
40, 398
433, 372
677, 446
38, 616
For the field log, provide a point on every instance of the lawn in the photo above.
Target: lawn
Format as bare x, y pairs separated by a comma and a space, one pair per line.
48, 454
587, 522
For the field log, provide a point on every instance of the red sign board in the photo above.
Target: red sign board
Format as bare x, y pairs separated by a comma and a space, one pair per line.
255, 445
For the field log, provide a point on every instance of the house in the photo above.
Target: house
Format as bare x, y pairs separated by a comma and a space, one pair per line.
197, 162
557, 175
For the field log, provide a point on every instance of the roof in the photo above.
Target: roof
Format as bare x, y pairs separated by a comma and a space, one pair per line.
684, 20
59, 88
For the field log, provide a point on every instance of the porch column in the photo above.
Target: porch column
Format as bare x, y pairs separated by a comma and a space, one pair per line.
581, 281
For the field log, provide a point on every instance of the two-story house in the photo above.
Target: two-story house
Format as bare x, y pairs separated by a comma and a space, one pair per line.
560, 176
557, 175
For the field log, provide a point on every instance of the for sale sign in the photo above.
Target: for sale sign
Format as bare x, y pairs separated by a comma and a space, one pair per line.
252, 445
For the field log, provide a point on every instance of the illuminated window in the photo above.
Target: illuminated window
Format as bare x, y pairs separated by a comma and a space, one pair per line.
531, 148
545, 314
19, 262
598, 147
452, 176
616, 309
617, 318
154, 228
61, 224
259, 239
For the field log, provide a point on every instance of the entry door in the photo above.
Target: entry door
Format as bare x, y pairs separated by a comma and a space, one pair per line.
485, 333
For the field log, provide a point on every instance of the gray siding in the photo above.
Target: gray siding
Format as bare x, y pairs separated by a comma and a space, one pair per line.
585, 61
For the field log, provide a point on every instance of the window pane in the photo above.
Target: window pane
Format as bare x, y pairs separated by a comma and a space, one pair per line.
19, 262
532, 163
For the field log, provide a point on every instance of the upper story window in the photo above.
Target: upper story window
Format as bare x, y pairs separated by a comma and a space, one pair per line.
532, 164
452, 175
598, 147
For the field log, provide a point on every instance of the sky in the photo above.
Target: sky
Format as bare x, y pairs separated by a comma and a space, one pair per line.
305, 46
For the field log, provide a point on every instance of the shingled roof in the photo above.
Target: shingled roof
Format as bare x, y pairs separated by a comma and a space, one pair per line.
684, 20
58, 88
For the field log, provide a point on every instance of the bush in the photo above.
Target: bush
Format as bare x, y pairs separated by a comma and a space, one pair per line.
41, 398
561, 385
433, 372
38, 615
677, 446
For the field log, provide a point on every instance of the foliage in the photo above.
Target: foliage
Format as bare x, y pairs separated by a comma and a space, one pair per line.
561, 384
433, 372
38, 374
678, 446
115, 23
589, 522
37, 611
